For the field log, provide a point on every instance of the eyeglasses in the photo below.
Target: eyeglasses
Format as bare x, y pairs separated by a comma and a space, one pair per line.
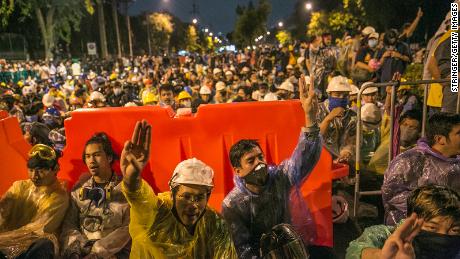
192, 198
43, 151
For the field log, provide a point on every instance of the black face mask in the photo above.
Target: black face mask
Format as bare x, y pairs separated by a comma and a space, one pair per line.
433, 245
258, 176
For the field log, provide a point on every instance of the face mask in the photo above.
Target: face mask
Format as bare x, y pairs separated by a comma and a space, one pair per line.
372, 43
186, 104
117, 91
31, 118
337, 102
258, 176
433, 245
408, 136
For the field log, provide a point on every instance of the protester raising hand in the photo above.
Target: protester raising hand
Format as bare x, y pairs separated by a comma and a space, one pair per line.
309, 100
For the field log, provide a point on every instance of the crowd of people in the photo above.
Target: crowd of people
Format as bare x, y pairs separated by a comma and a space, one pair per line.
112, 216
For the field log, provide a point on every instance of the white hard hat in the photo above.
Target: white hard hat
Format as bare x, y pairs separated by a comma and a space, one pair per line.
371, 113
338, 84
286, 85
246, 69
205, 90
220, 86
96, 96
228, 73
192, 171
374, 35
48, 100
216, 71
354, 90
130, 104
368, 30
369, 90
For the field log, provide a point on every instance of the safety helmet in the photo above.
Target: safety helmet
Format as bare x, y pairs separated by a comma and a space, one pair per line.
338, 84
368, 30
371, 113
369, 90
228, 73
149, 98
192, 171
205, 90
286, 85
97, 96
220, 86
216, 71
48, 100
184, 95
354, 89
130, 104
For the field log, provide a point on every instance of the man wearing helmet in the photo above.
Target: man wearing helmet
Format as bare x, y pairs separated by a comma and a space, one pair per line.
337, 120
175, 224
261, 198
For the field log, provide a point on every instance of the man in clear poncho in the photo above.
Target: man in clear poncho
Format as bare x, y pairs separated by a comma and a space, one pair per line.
268, 196
96, 224
435, 160
371, 117
176, 224
32, 210
337, 121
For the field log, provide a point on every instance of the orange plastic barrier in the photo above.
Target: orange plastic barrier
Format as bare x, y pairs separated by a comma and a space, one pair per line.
13, 152
207, 136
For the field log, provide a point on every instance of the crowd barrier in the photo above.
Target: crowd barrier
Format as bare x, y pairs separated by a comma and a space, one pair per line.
208, 136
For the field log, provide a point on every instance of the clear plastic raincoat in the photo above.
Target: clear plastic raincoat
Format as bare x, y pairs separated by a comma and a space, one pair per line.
250, 215
157, 233
28, 213
105, 225
341, 133
416, 167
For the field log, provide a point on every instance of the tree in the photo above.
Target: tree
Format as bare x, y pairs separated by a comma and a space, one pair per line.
55, 18
192, 39
162, 29
284, 37
251, 22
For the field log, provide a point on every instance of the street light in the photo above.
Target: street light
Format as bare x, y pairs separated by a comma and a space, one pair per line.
206, 30
308, 6
280, 24
268, 33
210, 34
195, 21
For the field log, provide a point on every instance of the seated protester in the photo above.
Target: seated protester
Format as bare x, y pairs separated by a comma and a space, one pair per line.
32, 210
433, 161
396, 56
176, 224
285, 91
370, 95
96, 224
36, 133
262, 196
371, 117
410, 126
432, 230
167, 96
367, 60
204, 98
337, 121
222, 93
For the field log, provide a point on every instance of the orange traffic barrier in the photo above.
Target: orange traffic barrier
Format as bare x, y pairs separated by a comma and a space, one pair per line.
207, 136
13, 152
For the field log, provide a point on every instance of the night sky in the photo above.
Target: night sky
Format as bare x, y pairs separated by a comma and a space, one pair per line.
218, 15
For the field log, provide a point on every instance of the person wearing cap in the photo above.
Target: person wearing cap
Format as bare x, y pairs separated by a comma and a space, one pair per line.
370, 95
31, 211
285, 91
228, 77
222, 94
204, 98
175, 224
337, 121
261, 197
367, 60
396, 55
371, 116
96, 223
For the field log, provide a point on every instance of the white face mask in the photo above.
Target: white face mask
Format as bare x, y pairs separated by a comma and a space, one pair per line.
187, 104
372, 43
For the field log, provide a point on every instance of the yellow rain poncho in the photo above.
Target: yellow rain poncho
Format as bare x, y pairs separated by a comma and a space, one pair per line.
156, 233
28, 213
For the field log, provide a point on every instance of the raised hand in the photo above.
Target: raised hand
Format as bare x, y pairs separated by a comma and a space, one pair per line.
309, 100
399, 244
135, 155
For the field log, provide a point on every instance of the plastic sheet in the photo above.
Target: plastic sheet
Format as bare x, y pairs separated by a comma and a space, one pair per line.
250, 215
28, 213
372, 237
416, 167
157, 233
